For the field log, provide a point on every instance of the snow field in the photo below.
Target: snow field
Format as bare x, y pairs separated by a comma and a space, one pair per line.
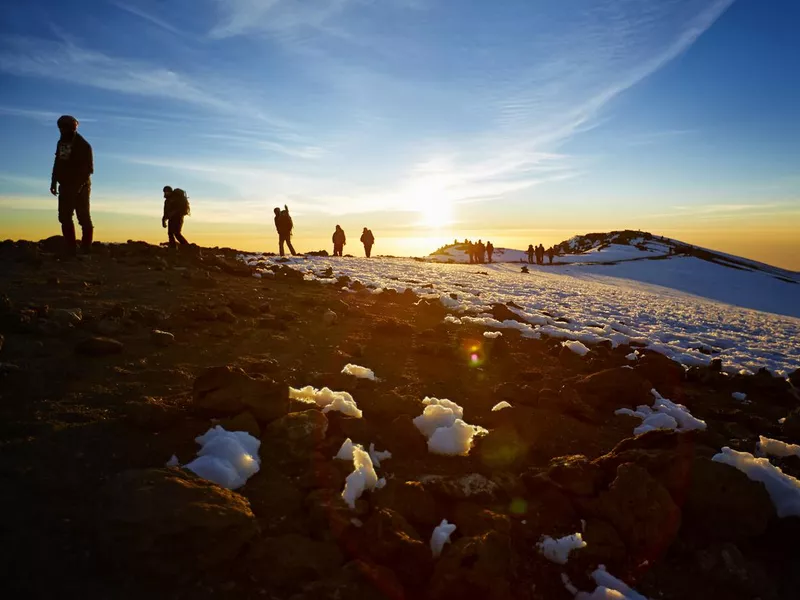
597, 307
327, 400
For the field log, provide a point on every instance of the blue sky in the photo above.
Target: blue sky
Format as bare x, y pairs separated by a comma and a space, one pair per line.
431, 118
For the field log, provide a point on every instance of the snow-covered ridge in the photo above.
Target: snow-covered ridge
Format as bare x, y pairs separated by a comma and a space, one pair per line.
575, 304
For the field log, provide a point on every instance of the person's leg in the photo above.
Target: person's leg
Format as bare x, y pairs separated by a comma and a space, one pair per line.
289, 243
281, 241
368, 250
171, 232
178, 230
83, 212
66, 206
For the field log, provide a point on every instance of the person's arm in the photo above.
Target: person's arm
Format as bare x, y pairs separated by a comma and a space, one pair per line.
53, 181
89, 161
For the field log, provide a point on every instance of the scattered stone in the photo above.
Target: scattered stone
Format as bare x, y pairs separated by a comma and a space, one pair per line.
291, 561
791, 426
162, 338
172, 522
64, 316
575, 475
330, 317
473, 486
411, 500
229, 390
2, 341
404, 439
614, 387
244, 421
393, 542
474, 567
108, 327
98, 346
295, 437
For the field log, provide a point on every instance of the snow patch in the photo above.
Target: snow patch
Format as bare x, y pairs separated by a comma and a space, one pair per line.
441, 422
359, 372
770, 447
664, 414
492, 334
361, 479
441, 536
378, 457
501, 406
557, 550
577, 347
173, 462
608, 588
228, 458
739, 396
327, 400
783, 489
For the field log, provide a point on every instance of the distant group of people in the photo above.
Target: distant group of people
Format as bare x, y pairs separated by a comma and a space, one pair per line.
536, 254
284, 226
478, 252
339, 240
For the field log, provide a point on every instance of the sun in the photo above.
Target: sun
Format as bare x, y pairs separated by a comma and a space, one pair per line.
430, 200
436, 214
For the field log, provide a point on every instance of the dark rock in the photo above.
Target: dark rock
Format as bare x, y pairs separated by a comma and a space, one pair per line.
475, 520
791, 426
503, 447
393, 542
715, 365
614, 387
472, 486
575, 475
170, 522
107, 327
295, 437
731, 573
393, 327
2, 341
244, 421
276, 502
794, 378
665, 374
290, 562
98, 346
474, 567
152, 414
404, 439
501, 312
641, 510
328, 512
229, 390
411, 500
722, 503
244, 309
357, 580
603, 544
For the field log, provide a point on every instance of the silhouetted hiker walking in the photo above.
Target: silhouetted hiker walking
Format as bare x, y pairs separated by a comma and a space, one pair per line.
489, 250
72, 183
540, 254
471, 252
284, 226
339, 240
368, 240
176, 207
550, 253
531, 252
480, 250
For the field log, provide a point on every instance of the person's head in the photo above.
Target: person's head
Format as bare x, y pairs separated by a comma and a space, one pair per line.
277, 211
67, 125
365, 230
338, 227
167, 191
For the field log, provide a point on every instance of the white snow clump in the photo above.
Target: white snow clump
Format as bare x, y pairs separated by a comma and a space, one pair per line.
740, 396
228, 458
501, 406
173, 462
664, 414
441, 536
769, 447
362, 478
783, 489
492, 334
557, 550
441, 422
577, 347
377, 457
359, 372
327, 400
608, 587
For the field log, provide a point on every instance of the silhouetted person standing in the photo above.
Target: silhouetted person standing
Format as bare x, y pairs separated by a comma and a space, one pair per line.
550, 253
471, 252
480, 251
72, 182
339, 240
284, 227
368, 240
531, 252
540, 255
489, 250
176, 207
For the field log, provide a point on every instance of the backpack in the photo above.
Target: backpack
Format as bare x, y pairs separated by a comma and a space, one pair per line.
180, 202
285, 220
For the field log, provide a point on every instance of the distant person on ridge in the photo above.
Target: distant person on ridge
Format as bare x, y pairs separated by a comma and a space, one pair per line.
471, 252
176, 207
489, 250
284, 227
540, 255
480, 251
368, 240
339, 240
550, 253
531, 252
71, 181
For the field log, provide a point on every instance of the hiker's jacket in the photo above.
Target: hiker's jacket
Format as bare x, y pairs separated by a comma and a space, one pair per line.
74, 163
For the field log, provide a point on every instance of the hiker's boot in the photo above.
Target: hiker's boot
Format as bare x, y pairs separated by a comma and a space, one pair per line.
86, 240
70, 244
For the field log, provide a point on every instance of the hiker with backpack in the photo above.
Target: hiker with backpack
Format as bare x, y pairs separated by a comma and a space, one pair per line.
339, 240
489, 250
284, 226
531, 252
368, 240
71, 181
550, 254
176, 207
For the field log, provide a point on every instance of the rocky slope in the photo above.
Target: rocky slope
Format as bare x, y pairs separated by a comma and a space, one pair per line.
93, 403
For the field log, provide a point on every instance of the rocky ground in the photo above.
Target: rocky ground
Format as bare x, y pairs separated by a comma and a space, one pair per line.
112, 363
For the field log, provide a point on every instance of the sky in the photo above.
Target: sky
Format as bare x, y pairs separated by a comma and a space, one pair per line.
519, 121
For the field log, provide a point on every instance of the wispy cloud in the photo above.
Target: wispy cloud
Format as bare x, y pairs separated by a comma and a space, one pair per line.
142, 14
